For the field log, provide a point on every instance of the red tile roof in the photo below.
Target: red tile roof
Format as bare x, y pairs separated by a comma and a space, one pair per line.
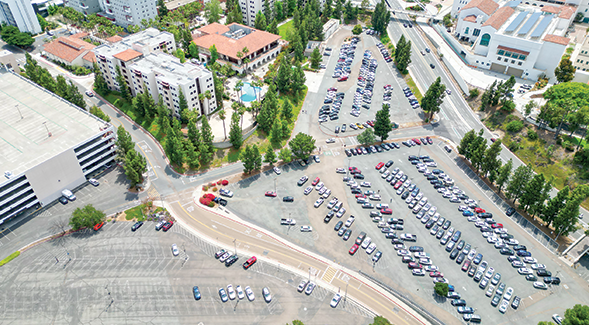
551, 9
79, 35
486, 6
511, 49
114, 39
566, 12
470, 18
127, 55
499, 17
212, 35
557, 39
68, 48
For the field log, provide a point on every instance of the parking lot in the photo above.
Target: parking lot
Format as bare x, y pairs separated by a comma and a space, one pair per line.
401, 111
119, 276
110, 196
536, 305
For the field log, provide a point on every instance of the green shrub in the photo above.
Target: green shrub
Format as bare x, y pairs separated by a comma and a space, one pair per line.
473, 93
509, 106
513, 146
215, 189
532, 135
514, 126
9, 258
441, 289
211, 204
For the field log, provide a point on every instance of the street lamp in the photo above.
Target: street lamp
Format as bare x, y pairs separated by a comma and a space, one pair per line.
19, 112
235, 245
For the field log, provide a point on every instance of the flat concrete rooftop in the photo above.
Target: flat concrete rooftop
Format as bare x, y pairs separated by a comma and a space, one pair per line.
25, 141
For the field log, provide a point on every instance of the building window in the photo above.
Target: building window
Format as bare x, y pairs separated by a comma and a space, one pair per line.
501, 52
519, 63
485, 40
506, 59
512, 61
522, 57
466, 31
476, 32
498, 58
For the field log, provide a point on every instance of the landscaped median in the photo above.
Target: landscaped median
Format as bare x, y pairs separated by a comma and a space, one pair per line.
9, 258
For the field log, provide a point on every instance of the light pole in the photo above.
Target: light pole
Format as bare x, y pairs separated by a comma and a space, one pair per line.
235, 245
48, 133
19, 112
309, 274
275, 186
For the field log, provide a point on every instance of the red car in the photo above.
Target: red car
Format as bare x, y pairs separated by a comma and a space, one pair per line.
479, 210
343, 78
360, 196
332, 89
414, 265
386, 211
398, 184
353, 249
436, 274
493, 139
355, 171
466, 266
416, 140
429, 140
98, 226
497, 225
379, 166
370, 123
315, 182
270, 193
168, 225
387, 86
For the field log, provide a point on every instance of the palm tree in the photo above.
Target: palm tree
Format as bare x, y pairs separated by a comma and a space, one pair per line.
256, 83
238, 87
208, 95
255, 108
245, 51
241, 112
201, 98
239, 56
222, 117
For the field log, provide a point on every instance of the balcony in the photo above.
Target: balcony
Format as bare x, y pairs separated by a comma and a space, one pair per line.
83, 5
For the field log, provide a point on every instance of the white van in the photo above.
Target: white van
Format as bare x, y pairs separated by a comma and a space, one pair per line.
68, 194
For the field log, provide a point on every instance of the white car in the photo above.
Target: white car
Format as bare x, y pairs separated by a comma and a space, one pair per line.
462, 208
335, 300
308, 190
385, 174
332, 203
330, 140
350, 221
375, 197
503, 306
366, 242
225, 192
88, 93
340, 170
319, 186
302, 285
277, 170
365, 184
175, 250
538, 267
249, 293
490, 290
490, 272
93, 182
431, 268
508, 294
266, 294
240, 293
370, 248
530, 260
399, 246
341, 212
231, 292
327, 194
306, 229
319, 202
420, 254
524, 271
323, 190
418, 272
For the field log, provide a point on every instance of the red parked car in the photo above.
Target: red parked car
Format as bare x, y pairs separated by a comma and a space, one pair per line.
398, 184
315, 182
429, 140
416, 140
414, 265
168, 225
353, 249
370, 123
98, 226
497, 225
436, 274
355, 171
379, 166
386, 211
360, 196
270, 193
466, 266
479, 210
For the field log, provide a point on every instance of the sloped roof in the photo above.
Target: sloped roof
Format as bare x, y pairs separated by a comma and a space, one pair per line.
566, 12
212, 34
486, 6
68, 48
499, 17
114, 39
470, 18
557, 39
127, 55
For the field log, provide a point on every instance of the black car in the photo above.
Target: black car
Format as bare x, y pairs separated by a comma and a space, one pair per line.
553, 280
231, 260
137, 225
544, 273
358, 176
454, 254
348, 153
515, 302
327, 218
337, 129
460, 258
288, 199
510, 211
338, 225
405, 195
432, 66
63, 200
506, 251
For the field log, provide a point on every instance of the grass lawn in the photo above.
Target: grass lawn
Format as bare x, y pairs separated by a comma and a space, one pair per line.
135, 213
285, 30
411, 84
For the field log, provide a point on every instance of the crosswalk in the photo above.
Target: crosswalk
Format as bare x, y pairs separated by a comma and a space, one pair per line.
329, 274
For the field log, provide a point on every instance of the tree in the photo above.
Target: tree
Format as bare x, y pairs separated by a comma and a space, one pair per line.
273, 27
278, 11
380, 17
477, 150
213, 11
565, 71
100, 84
214, 54
578, 315
13, 36
464, 146
316, 58
567, 219
402, 54
287, 113
299, 48
521, 177
123, 87
285, 155
357, 30
247, 159
86, 217
192, 157
268, 10
74, 96
182, 106
174, 149
270, 156
379, 320
222, 116
554, 206
283, 75
256, 157
433, 98
124, 142
383, 125
135, 166
504, 174
350, 13
298, 80
532, 191
94, 110
235, 136
162, 10
490, 159
206, 145
276, 132
529, 107
302, 145
260, 22
441, 289
367, 137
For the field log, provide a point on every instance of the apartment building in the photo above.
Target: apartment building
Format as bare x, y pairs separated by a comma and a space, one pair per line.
20, 13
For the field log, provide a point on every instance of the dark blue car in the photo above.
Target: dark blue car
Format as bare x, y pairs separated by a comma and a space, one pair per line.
524, 253
196, 293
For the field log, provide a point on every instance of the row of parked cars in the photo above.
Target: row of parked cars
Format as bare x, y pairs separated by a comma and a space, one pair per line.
331, 112
343, 67
237, 292
385, 53
365, 89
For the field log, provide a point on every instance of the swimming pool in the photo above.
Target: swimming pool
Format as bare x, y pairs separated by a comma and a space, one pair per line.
249, 92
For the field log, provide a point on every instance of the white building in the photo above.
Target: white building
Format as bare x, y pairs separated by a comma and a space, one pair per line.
526, 41
580, 57
141, 60
128, 12
87, 7
250, 8
20, 13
